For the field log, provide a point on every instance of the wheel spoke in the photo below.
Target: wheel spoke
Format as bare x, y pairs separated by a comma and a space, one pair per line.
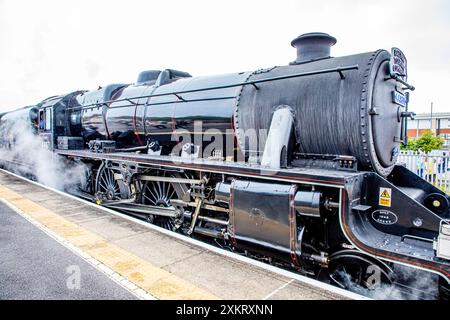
111, 177
105, 181
103, 186
152, 188
153, 202
171, 195
160, 191
151, 192
105, 172
105, 176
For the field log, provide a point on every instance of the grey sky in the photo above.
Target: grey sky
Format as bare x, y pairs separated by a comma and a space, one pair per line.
50, 47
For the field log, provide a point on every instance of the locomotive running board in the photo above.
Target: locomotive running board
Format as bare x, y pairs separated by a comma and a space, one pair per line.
309, 176
396, 246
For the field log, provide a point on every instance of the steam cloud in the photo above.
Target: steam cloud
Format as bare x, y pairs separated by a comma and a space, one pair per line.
420, 286
23, 152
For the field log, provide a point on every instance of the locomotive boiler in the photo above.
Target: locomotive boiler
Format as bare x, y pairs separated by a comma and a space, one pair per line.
295, 165
341, 106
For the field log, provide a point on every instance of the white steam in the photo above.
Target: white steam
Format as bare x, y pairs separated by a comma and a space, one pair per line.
411, 284
24, 152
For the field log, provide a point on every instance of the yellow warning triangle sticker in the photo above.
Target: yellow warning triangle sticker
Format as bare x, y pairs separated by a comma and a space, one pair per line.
385, 194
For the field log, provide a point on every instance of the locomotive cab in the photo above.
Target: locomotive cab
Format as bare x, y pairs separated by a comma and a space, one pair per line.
53, 119
46, 118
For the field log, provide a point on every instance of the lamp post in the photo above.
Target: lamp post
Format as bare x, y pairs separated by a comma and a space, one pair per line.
431, 118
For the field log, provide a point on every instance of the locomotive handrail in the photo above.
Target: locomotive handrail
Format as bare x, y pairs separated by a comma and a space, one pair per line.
134, 104
177, 94
399, 79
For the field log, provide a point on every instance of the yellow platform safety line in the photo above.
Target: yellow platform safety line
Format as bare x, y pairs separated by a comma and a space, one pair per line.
156, 281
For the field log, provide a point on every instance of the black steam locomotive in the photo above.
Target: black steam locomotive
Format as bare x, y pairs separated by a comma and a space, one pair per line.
294, 164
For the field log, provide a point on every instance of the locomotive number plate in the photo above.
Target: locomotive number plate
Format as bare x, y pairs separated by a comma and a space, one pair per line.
399, 98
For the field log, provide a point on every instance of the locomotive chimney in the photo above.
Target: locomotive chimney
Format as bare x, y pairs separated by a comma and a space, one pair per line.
312, 46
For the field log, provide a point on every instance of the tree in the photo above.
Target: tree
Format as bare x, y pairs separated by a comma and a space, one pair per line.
426, 142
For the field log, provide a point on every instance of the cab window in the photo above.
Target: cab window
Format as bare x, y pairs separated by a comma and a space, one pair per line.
41, 120
48, 119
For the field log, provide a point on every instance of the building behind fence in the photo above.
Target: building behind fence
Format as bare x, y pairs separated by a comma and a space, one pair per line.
438, 123
433, 166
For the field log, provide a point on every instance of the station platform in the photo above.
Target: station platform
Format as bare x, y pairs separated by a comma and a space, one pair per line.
48, 239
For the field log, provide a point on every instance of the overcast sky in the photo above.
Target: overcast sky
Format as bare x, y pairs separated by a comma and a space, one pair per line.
53, 47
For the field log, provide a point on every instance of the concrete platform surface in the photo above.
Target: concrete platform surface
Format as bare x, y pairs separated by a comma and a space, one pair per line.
155, 264
34, 266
